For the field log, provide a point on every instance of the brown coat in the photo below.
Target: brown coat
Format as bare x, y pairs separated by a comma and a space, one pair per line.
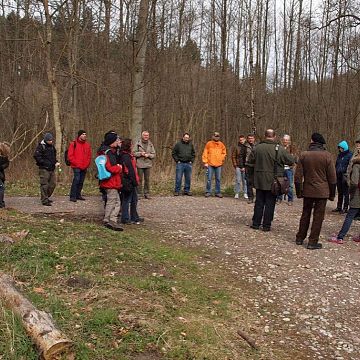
315, 175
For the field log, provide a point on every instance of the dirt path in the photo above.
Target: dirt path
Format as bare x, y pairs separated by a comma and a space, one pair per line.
308, 299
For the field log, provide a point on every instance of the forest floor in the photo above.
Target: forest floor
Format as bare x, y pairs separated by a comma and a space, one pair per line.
299, 303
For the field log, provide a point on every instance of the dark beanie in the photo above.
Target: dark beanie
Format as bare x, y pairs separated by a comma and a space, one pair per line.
110, 138
80, 132
318, 138
48, 137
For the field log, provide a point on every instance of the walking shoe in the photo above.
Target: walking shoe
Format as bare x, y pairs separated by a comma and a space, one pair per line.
335, 240
299, 242
73, 200
236, 196
246, 196
147, 196
336, 210
316, 246
81, 198
47, 203
250, 201
255, 227
176, 193
219, 195
113, 226
356, 238
138, 221
266, 229
50, 201
187, 193
207, 194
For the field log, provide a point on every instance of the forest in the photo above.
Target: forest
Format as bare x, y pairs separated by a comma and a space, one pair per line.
170, 66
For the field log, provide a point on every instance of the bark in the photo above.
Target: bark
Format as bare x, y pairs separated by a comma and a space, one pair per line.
38, 324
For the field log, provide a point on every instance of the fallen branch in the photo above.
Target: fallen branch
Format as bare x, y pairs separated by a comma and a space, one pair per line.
248, 339
38, 324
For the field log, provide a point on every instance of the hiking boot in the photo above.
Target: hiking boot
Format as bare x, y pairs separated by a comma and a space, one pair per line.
316, 246
236, 196
207, 195
336, 210
176, 193
334, 239
219, 195
299, 242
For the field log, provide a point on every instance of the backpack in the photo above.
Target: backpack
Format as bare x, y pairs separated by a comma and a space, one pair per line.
102, 172
66, 156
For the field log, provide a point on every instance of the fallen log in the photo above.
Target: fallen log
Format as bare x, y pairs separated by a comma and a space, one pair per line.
39, 325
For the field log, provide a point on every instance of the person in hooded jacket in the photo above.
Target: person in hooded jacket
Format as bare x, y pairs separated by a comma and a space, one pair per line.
79, 155
342, 163
130, 182
4, 163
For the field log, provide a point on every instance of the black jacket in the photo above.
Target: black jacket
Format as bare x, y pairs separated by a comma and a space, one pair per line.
183, 152
45, 156
4, 163
128, 161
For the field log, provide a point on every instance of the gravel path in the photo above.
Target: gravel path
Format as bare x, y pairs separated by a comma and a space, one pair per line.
305, 299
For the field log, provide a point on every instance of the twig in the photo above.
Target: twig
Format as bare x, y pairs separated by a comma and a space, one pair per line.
248, 339
3, 103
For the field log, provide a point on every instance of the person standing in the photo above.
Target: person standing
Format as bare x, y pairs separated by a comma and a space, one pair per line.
131, 180
184, 155
4, 163
213, 157
315, 182
288, 170
79, 155
112, 185
263, 159
342, 163
144, 152
238, 158
45, 157
250, 146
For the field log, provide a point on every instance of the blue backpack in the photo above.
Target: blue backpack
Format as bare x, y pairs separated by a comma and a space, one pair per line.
100, 162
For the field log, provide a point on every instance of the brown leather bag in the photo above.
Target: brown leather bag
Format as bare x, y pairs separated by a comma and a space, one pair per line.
281, 184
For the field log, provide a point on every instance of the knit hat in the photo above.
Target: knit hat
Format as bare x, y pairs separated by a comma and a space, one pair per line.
344, 145
48, 137
110, 138
80, 132
318, 138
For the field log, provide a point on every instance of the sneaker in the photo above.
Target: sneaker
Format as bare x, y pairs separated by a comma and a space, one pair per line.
356, 238
316, 246
335, 240
246, 196
236, 196
336, 210
207, 194
176, 193
219, 195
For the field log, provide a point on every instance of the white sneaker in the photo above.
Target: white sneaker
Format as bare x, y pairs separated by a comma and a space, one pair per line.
246, 196
236, 196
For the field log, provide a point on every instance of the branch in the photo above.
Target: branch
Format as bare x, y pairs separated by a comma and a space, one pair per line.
337, 18
3, 103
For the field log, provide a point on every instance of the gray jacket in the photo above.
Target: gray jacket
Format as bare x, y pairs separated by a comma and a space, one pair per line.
354, 186
147, 147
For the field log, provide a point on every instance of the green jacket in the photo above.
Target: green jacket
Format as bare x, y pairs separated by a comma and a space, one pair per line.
183, 152
354, 186
262, 160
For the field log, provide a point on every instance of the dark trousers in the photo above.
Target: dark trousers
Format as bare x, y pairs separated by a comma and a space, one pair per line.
77, 183
264, 208
249, 186
144, 186
350, 216
129, 199
343, 193
47, 184
2, 193
319, 206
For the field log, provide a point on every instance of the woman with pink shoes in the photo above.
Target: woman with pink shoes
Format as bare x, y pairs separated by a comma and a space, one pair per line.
353, 178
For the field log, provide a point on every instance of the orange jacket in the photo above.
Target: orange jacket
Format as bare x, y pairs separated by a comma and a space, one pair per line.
214, 153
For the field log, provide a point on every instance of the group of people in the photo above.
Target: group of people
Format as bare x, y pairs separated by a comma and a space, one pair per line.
257, 165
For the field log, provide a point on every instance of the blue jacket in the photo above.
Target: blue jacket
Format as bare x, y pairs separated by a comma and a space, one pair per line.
343, 158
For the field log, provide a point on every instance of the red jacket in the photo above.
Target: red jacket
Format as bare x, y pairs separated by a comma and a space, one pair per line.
114, 182
80, 154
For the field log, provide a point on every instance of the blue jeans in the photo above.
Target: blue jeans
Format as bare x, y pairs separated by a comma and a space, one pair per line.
211, 170
77, 183
289, 173
240, 183
352, 212
129, 198
183, 169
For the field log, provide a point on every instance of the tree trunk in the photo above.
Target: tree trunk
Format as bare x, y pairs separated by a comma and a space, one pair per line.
38, 324
139, 65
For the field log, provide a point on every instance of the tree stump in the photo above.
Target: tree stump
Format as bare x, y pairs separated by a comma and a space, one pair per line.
39, 325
